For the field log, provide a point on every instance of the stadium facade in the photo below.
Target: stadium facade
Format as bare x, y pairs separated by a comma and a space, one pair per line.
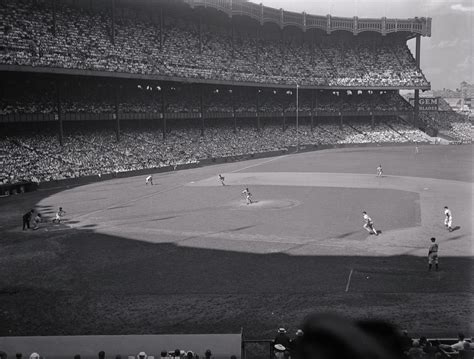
80, 64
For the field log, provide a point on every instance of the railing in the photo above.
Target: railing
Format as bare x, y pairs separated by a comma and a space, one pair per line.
49, 117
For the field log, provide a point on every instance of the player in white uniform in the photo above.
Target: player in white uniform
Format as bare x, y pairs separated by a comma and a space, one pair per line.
379, 171
433, 254
369, 224
37, 220
221, 178
448, 219
59, 214
248, 195
149, 179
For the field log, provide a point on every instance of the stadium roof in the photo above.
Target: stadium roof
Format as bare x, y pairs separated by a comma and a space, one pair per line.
264, 14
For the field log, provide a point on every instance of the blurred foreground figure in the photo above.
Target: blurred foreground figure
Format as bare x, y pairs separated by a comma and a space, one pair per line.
330, 336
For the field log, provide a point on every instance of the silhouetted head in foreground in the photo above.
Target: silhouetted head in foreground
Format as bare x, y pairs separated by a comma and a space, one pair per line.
330, 336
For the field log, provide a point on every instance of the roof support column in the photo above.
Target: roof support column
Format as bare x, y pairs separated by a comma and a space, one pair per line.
233, 110
200, 34
258, 107
232, 34
417, 92
54, 18
112, 19
161, 28
201, 107
59, 91
163, 111
257, 43
116, 113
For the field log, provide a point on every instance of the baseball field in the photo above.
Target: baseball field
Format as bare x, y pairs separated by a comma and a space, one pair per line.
188, 255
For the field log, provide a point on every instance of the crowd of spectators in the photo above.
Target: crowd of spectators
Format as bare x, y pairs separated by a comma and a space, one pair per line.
328, 336
38, 157
23, 95
319, 338
80, 38
461, 131
449, 122
174, 354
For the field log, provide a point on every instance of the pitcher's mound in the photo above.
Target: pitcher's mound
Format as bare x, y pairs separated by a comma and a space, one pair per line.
266, 204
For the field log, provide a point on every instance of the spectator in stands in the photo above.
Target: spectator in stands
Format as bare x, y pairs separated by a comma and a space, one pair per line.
282, 338
384, 333
18, 355
416, 352
460, 344
208, 354
3, 355
87, 45
142, 355
329, 336
34, 356
296, 343
163, 354
466, 352
430, 348
101, 354
77, 356
279, 351
406, 341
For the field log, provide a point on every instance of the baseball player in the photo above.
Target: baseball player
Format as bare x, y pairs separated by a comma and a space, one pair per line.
248, 195
369, 224
59, 214
379, 171
149, 179
448, 219
433, 254
221, 178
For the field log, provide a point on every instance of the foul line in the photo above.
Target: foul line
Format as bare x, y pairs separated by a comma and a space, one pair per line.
258, 164
349, 280
136, 199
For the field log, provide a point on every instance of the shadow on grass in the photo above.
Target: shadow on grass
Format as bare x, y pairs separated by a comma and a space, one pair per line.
82, 282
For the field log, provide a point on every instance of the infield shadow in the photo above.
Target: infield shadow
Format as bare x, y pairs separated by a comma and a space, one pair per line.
161, 218
347, 234
92, 283
455, 238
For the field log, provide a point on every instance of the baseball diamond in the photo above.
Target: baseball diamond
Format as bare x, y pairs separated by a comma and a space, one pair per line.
190, 252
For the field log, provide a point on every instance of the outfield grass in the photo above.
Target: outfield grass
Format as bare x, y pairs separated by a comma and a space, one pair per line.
188, 256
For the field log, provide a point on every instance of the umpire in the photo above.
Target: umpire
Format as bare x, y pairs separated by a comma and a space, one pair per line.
27, 218
433, 254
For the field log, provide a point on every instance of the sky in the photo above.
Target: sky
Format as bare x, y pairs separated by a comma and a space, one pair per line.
446, 56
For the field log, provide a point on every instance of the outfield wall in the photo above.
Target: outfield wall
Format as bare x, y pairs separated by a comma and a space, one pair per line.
22, 187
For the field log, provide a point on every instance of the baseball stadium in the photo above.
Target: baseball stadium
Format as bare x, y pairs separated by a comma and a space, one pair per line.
194, 174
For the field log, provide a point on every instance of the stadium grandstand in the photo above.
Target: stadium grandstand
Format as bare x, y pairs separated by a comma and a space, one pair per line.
99, 89
214, 77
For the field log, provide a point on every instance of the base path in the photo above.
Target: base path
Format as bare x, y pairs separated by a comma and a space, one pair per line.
434, 195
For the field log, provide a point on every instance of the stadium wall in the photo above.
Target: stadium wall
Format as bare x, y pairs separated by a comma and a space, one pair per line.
18, 188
